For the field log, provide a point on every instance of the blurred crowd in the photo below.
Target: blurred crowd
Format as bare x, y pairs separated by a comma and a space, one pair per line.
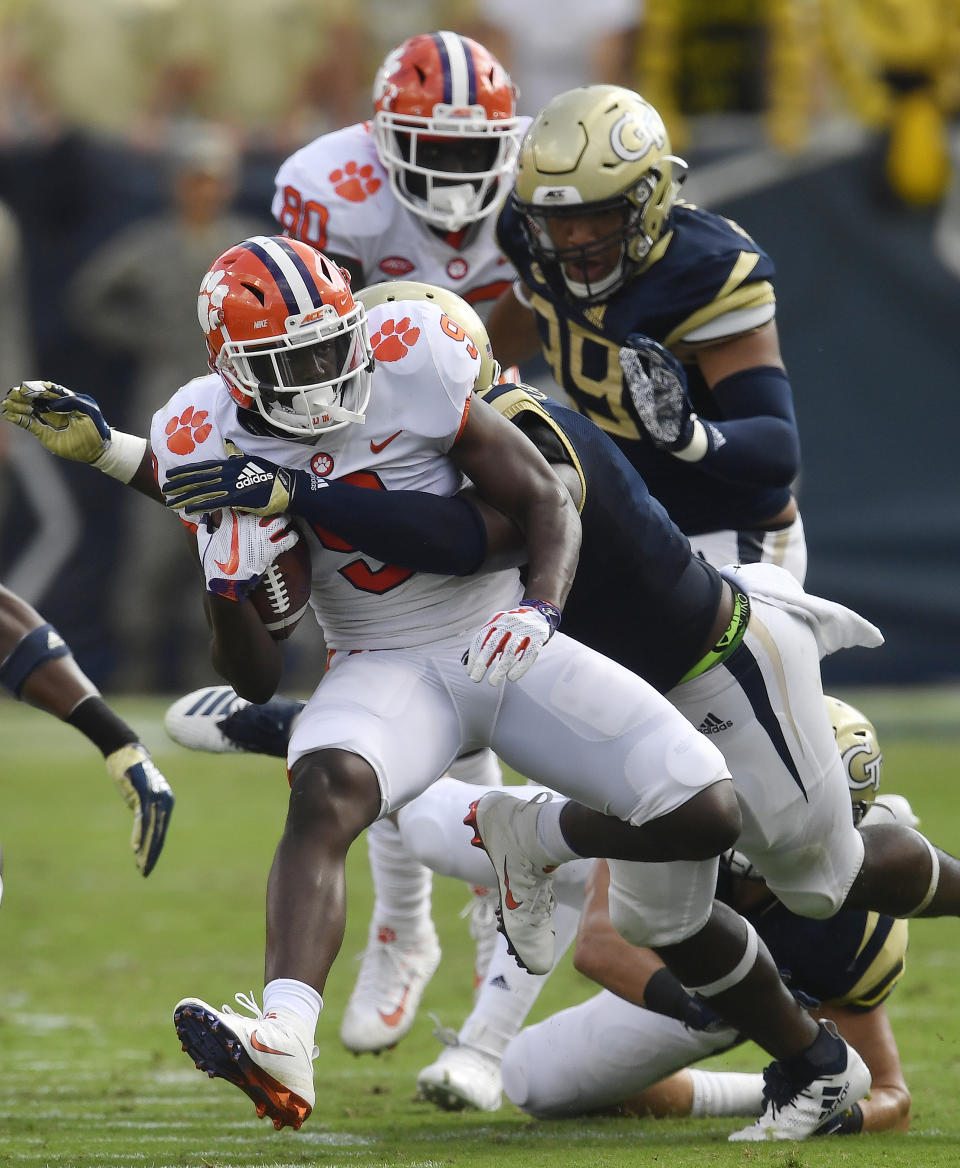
139, 138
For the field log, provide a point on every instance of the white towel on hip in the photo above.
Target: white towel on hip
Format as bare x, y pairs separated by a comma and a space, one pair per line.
834, 626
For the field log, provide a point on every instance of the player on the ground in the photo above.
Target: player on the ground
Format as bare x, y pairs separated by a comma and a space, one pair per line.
292, 349
37, 666
413, 193
605, 1053
605, 250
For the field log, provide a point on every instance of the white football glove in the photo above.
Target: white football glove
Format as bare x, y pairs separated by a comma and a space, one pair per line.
237, 553
508, 644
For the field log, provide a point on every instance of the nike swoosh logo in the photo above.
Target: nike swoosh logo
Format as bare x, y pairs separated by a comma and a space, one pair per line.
509, 899
376, 447
234, 562
258, 1045
394, 1017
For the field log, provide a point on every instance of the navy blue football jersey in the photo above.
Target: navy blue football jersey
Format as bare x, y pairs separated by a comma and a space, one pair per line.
640, 595
704, 267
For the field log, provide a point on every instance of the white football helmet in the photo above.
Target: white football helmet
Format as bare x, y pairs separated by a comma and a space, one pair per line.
445, 128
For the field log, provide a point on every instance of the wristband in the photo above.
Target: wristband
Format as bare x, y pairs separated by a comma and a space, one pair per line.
663, 994
550, 611
698, 445
122, 456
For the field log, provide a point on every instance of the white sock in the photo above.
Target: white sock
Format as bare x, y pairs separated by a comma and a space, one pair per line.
726, 1093
402, 885
549, 835
508, 992
294, 997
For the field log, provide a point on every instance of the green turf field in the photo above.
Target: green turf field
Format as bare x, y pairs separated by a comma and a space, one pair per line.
93, 959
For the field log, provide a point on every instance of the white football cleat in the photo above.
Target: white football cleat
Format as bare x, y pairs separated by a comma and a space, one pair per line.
796, 1107
215, 719
394, 972
462, 1078
506, 828
261, 1055
194, 720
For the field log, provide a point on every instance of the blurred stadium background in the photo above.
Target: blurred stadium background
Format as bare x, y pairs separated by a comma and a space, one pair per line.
830, 129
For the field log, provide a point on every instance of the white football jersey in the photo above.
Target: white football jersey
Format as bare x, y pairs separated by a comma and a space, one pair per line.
425, 371
335, 195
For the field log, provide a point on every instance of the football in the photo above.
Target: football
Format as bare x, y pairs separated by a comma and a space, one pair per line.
282, 596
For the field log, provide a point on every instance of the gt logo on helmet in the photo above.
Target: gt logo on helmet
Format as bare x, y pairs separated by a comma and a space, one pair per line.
644, 136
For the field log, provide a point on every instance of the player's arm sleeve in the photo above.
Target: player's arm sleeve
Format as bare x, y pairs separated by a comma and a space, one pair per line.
757, 441
408, 529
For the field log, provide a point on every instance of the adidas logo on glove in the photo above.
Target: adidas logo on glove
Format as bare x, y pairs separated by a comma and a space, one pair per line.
251, 475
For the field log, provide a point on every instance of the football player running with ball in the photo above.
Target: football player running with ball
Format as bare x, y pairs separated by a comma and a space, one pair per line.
292, 352
415, 192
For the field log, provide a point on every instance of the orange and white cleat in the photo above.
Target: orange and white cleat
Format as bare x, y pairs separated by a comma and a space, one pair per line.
506, 828
394, 972
264, 1056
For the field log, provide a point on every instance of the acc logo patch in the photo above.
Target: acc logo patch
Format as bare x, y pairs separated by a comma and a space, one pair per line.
396, 266
457, 268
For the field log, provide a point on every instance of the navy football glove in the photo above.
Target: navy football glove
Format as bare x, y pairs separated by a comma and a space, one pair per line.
245, 484
657, 386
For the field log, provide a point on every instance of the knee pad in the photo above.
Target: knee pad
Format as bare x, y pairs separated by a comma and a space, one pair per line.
34, 649
661, 904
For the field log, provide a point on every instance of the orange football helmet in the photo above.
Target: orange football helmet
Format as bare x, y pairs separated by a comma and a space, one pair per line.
286, 335
445, 127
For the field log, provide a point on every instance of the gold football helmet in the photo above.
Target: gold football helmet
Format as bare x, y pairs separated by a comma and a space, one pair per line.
858, 746
457, 309
594, 150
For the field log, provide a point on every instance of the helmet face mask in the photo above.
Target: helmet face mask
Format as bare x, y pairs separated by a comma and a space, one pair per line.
595, 267
445, 128
306, 371
590, 151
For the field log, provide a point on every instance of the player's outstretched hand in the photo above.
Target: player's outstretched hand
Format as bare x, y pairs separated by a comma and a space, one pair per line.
236, 553
657, 386
148, 795
508, 644
70, 425
245, 484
